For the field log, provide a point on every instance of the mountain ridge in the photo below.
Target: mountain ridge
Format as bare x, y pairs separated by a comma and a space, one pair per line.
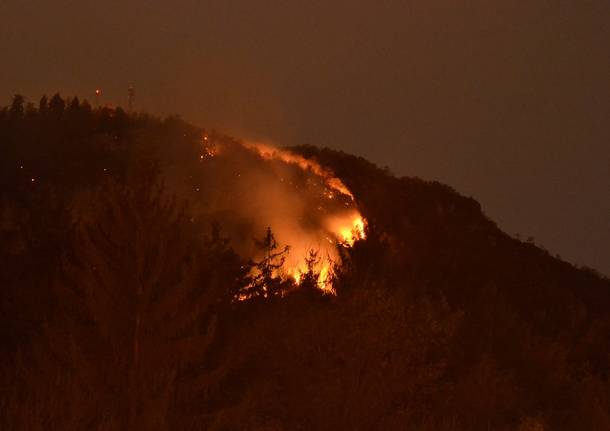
440, 320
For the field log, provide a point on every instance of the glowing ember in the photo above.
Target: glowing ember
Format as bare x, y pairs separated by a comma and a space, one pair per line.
209, 149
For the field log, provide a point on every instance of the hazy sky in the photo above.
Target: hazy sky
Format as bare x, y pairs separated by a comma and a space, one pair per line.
507, 101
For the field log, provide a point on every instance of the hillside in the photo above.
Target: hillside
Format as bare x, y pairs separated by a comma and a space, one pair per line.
134, 294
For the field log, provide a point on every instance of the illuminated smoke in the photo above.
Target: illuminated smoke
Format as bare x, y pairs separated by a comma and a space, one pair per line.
249, 186
272, 153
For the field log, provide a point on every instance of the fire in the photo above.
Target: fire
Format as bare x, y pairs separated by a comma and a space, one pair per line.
352, 232
346, 229
323, 270
296, 275
306, 205
270, 153
209, 149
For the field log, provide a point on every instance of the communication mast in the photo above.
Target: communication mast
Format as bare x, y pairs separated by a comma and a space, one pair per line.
132, 95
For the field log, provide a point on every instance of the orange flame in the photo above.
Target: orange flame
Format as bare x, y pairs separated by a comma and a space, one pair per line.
339, 229
346, 229
268, 152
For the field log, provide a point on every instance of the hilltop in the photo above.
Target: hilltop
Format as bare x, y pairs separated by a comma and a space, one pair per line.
128, 302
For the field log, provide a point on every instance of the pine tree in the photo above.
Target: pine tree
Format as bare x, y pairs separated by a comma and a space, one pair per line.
17, 110
57, 105
266, 281
310, 279
43, 105
137, 302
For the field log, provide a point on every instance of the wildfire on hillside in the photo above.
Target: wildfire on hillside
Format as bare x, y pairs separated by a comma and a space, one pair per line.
254, 185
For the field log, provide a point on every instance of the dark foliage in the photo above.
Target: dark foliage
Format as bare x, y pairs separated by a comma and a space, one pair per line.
120, 311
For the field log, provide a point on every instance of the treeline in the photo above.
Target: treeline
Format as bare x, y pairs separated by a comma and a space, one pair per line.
118, 310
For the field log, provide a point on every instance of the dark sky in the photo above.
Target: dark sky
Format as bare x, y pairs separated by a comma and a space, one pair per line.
507, 101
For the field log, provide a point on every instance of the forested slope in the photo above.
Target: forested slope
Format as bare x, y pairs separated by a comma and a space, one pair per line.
119, 309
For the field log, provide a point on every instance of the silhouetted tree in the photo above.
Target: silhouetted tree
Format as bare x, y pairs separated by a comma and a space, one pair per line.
136, 277
43, 105
309, 281
17, 109
86, 107
57, 105
363, 361
74, 105
267, 281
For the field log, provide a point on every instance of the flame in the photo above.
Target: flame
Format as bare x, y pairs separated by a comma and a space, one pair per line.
296, 275
340, 222
323, 270
348, 229
268, 152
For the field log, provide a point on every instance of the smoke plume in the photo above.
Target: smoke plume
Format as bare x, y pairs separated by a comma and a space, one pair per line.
248, 186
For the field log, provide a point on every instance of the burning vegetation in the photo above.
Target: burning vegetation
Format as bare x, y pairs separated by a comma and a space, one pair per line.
253, 188
156, 276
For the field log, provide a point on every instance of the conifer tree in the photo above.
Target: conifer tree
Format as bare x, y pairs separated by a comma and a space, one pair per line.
17, 107
266, 281
57, 105
43, 105
136, 280
309, 279
75, 104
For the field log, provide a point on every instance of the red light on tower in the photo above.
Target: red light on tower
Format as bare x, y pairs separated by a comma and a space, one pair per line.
98, 93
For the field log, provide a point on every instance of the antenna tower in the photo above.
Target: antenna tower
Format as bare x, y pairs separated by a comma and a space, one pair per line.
132, 95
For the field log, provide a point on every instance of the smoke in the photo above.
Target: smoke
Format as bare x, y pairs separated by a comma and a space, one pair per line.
248, 186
